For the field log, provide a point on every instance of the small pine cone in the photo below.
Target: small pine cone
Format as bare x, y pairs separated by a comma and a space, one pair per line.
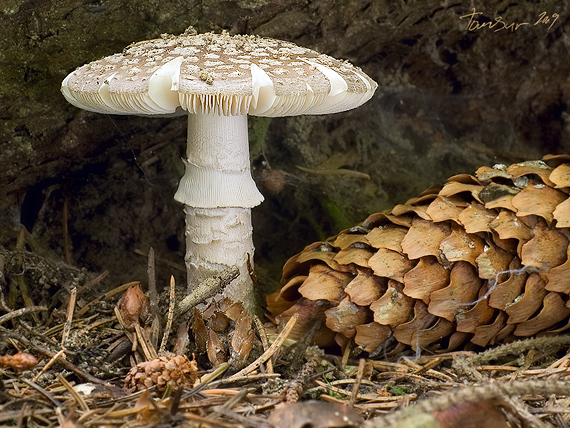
159, 371
480, 260
224, 332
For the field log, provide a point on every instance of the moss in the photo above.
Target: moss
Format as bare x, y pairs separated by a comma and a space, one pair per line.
10, 7
337, 215
257, 128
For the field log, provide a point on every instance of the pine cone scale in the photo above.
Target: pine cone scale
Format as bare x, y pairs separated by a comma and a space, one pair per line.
463, 288
425, 278
390, 264
424, 239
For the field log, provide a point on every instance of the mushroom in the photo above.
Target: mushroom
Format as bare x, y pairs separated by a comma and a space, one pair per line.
218, 79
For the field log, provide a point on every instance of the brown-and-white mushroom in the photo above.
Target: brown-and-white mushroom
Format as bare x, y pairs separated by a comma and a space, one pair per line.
218, 79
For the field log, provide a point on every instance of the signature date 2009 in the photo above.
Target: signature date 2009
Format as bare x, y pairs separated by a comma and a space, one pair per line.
499, 24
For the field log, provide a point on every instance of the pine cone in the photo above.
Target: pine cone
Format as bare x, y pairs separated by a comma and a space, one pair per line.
481, 260
159, 371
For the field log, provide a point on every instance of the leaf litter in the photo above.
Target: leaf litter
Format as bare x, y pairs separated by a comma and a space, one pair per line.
65, 355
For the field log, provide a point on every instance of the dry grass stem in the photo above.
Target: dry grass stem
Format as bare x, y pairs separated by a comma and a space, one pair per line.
264, 342
164, 261
357, 382
69, 318
22, 311
78, 398
170, 317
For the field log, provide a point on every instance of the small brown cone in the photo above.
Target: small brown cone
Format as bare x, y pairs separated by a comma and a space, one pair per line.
483, 259
159, 371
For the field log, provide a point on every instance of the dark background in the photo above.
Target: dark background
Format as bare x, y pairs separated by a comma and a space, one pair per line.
450, 99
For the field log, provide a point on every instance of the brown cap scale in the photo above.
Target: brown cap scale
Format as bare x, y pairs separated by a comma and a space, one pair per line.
218, 79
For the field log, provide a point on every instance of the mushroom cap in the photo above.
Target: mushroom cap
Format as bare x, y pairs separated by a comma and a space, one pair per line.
217, 74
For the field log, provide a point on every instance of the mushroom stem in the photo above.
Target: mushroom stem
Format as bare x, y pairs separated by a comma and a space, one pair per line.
218, 238
218, 192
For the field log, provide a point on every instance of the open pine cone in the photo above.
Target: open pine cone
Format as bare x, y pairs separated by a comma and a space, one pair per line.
482, 259
177, 369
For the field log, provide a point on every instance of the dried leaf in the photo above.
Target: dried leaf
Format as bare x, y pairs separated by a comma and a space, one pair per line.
218, 321
472, 415
241, 335
133, 306
19, 361
215, 349
234, 311
199, 331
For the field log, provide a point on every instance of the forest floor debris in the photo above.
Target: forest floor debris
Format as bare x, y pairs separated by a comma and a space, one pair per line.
64, 359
